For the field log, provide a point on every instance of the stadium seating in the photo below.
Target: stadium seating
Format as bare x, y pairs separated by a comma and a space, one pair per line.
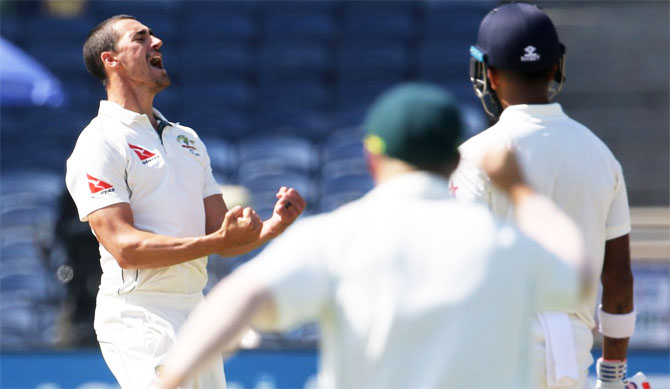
276, 90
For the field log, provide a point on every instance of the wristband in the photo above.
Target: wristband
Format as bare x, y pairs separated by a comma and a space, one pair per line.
616, 326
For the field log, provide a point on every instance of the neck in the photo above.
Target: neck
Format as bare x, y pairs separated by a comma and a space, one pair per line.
529, 96
132, 99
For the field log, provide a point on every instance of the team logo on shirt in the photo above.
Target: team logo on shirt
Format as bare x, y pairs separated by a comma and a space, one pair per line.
188, 144
145, 155
98, 186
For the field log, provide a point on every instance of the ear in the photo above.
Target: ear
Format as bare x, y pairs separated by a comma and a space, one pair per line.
494, 77
373, 164
109, 59
552, 72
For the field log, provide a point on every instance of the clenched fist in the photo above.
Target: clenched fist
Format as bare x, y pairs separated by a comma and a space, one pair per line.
240, 226
288, 207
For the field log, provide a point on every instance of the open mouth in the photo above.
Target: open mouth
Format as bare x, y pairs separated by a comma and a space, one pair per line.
156, 62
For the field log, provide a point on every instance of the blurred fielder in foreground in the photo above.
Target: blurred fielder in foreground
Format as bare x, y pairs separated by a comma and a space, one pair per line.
411, 288
516, 66
145, 186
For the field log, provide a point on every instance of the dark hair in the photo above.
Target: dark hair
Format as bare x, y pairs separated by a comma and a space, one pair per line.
102, 38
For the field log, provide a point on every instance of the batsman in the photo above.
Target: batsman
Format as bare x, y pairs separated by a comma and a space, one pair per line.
516, 67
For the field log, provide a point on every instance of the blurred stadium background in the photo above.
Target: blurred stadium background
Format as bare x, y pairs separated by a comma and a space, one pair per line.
277, 91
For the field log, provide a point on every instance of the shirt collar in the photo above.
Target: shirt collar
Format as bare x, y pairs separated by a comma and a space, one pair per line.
532, 110
417, 184
127, 117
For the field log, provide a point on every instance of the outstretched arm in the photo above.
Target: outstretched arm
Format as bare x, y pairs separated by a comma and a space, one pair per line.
216, 326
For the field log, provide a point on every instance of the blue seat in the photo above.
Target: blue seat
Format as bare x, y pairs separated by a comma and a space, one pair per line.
357, 96
228, 25
292, 120
233, 94
343, 144
312, 94
360, 61
41, 29
19, 325
265, 155
263, 188
213, 122
338, 190
222, 155
455, 21
294, 61
443, 59
362, 22
214, 61
291, 25
194, 9
291, 6
145, 11
41, 185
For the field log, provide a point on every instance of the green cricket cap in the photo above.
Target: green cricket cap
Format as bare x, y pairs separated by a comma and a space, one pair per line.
415, 122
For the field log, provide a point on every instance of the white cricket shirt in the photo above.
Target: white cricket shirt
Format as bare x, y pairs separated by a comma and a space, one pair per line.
414, 289
119, 157
563, 160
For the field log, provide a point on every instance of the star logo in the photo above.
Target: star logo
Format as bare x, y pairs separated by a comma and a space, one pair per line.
96, 185
452, 188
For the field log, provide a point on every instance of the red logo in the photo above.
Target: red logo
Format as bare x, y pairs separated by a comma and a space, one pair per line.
96, 185
142, 153
452, 188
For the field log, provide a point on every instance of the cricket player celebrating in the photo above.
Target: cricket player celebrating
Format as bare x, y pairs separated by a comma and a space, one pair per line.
145, 186
412, 288
516, 66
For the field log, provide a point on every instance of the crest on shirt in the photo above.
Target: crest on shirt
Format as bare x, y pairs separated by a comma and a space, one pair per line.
143, 154
188, 144
98, 186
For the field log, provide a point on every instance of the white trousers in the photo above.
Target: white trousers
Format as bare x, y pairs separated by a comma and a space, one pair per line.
583, 338
135, 332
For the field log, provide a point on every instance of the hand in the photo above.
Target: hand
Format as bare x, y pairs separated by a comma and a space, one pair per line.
502, 168
288, 207
240, 226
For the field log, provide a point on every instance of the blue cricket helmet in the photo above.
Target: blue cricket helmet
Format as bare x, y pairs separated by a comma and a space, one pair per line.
518, 37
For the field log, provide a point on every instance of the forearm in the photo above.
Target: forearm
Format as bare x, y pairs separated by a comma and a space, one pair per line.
215, 326
617, 298
144, 250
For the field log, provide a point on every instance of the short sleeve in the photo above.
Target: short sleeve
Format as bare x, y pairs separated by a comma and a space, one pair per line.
292, 268
210, 186
469, 183
96, 175
618, 217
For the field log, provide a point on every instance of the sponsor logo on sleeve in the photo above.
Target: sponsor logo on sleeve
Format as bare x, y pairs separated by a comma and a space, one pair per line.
143, 154
98, 186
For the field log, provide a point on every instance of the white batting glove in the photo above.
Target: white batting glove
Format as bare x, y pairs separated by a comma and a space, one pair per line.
612, 375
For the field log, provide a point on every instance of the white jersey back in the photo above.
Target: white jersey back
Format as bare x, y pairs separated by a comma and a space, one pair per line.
413, 289
561, 159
